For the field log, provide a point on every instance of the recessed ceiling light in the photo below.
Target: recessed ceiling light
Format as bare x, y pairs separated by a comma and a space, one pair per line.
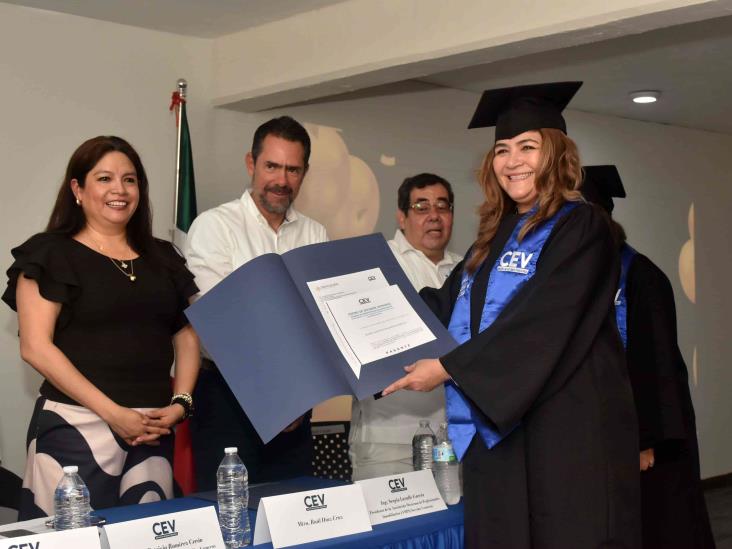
647, 96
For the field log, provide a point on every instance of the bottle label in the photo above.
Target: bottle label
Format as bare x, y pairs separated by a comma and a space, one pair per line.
443, 453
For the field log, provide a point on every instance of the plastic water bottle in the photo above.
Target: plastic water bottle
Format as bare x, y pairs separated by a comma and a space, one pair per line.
71, 501
232, 493
446, 468
422, 444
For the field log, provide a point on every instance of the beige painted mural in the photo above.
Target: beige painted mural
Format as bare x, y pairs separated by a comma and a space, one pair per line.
341, 192
687, 276
686, 261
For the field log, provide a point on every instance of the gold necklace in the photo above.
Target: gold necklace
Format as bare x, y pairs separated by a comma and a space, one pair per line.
122, 263
122, 266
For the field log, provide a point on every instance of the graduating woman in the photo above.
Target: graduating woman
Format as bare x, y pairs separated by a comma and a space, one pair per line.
673, 510
538, 398
100, 314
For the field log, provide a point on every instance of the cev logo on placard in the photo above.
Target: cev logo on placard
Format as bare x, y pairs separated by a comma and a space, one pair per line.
164, 529
510, 262
364, 300
35, 545
315, 502
397, 485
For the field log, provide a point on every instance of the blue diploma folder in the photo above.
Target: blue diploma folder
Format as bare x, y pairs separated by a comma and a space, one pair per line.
268, 338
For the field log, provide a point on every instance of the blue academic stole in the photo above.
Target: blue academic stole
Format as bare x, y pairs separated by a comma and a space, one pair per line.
621, 302
514, 267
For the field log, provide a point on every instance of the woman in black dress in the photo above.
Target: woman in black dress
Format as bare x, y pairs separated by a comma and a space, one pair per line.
538, 397
100, 314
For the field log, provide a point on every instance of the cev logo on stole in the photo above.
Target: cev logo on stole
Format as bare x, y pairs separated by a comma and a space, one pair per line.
510, 261
465, 286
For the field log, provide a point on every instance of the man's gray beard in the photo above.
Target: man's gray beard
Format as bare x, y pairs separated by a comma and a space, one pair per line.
274, 208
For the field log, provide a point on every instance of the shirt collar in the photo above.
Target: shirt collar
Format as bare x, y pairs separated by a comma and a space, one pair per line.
404, 246
402, 243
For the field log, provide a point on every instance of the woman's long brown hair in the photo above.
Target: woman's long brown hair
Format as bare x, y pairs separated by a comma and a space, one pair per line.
557, 181
67, 218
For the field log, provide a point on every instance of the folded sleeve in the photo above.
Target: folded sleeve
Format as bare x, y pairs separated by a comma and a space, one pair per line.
657, 371
183, 281
44, 258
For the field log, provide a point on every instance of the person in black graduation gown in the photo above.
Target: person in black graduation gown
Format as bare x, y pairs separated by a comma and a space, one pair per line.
547, 375
673, 510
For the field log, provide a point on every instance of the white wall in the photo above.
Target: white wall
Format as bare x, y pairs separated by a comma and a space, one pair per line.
67, 79
362, 43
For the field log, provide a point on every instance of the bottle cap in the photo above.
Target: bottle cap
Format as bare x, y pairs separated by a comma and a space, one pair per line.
71, 469
231, 450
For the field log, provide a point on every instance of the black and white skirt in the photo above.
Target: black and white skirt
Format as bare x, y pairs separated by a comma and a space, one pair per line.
115, 472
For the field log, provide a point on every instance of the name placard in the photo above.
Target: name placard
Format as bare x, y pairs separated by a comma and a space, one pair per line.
314, 515
400, 496
83, 538
194, 529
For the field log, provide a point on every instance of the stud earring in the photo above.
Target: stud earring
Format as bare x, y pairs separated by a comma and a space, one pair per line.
78, 202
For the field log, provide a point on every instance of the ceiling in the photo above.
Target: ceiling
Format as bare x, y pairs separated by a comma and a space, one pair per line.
690, 64
201, 18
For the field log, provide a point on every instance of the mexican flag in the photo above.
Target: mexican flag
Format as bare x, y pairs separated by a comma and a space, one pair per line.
186, 184
185, 213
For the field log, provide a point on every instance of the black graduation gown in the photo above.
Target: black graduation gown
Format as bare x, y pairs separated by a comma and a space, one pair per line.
674, 512
550, 373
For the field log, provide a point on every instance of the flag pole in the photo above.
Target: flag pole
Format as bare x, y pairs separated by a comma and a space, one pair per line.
182, 89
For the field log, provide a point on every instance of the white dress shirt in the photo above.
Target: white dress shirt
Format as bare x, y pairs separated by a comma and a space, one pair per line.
420, 269
380, 441
222, 239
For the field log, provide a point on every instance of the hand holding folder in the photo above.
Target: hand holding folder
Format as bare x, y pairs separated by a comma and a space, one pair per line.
274, 348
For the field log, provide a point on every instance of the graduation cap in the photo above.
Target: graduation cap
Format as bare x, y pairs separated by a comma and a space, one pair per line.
601, 184
522, 108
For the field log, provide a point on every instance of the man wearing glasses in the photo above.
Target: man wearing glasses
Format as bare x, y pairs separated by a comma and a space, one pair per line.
382, 430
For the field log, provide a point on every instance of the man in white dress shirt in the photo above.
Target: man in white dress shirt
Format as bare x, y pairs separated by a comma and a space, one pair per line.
222, 239
381, 430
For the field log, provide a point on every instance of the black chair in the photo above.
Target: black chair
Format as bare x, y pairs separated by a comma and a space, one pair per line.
10, 486
330, 450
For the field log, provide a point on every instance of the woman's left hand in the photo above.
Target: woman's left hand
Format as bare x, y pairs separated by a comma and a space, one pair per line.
424, 375
165, 418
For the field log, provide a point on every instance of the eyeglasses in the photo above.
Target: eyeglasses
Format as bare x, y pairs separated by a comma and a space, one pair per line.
424, 207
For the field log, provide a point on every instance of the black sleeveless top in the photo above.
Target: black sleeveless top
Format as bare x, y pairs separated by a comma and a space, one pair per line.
117, 333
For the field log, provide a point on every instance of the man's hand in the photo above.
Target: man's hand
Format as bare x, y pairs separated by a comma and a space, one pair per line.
647, 459
294, 425
424, 375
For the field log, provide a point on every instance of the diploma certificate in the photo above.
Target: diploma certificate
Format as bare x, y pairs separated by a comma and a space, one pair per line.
368, 319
